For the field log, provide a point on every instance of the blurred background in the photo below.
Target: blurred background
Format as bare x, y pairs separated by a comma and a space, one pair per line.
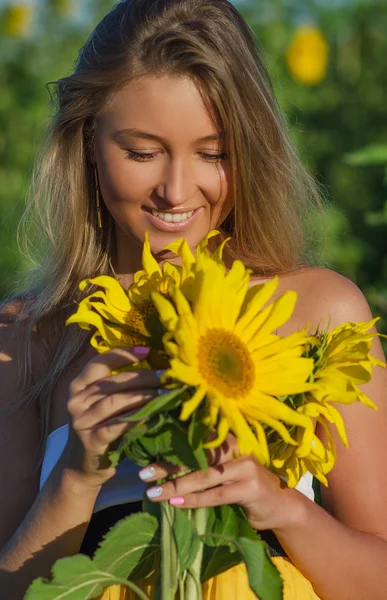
327, 59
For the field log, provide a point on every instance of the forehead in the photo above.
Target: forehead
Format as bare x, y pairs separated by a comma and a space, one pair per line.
161, 105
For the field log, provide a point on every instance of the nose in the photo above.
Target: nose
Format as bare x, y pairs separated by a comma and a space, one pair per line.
177, 184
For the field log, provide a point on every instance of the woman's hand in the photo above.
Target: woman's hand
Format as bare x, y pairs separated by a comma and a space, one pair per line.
96, 399
266, 500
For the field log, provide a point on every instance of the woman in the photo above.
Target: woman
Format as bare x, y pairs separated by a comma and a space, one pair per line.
169, 125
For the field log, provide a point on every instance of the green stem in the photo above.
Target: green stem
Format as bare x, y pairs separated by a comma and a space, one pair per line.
168, 553
182, 579
193, 587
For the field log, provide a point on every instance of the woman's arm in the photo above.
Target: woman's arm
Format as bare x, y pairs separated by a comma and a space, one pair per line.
35, 529
55, 525
344, 555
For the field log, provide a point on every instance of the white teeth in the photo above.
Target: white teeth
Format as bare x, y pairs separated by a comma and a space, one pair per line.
172, 218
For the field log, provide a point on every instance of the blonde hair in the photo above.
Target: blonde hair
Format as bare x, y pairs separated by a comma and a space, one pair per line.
271, 193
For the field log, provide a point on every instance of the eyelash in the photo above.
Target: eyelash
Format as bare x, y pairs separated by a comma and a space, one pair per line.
137, 156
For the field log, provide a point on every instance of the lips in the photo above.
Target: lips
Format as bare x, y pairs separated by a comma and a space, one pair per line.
171, 221
168, 217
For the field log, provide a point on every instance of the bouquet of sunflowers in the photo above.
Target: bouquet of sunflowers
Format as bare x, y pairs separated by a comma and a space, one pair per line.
225, 369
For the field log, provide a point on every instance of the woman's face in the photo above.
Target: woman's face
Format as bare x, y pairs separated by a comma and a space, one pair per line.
162, 165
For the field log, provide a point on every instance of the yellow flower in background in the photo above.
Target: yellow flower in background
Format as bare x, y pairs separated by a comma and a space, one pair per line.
307, 55
223, 344
17, 21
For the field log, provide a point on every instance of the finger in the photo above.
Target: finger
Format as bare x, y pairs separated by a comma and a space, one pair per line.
224, 453
111, 406
107, 433
217, 456
102, 365
127, 382
218, 496
198, 481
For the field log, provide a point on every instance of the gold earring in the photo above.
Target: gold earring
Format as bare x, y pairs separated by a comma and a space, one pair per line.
98, 199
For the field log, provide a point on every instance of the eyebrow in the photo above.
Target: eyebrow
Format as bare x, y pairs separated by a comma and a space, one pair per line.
123, 134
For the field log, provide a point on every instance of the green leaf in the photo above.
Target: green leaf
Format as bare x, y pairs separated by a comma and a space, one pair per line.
76, 578
186, 539
217, 560
197, 436
135, 433
169, 442
130, 549
137, 454
370, 155
167, 401
264, 578
219, 555
152, 508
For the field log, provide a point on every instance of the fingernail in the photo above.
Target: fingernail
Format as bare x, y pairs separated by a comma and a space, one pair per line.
162, 391
147, 473
160, 373
154, 492
141, 351
178, 501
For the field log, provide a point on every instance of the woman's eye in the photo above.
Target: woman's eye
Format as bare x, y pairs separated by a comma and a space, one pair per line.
213, 157
139, 156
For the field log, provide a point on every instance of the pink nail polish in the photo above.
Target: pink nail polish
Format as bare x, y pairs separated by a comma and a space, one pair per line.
178, 501
141, 351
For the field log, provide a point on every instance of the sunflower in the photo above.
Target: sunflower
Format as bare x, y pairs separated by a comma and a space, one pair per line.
346, 364
129, 318
343, 363
319, 460
154, 277
223, 344
118, 322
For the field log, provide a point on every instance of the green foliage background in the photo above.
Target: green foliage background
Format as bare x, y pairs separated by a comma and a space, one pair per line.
344, 113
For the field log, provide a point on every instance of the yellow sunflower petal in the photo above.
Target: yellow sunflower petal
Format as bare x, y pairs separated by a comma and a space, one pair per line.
223, 429
189, 406
149, 263
115, 294
256, 297
280, 312
184, 373
166, 310
88, 319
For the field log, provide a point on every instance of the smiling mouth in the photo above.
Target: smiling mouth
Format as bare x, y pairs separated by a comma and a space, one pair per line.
169, 217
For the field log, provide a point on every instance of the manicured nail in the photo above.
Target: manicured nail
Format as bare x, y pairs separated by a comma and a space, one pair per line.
141, 351
178, 501
147, 473
154, 492
162, 391
160, 373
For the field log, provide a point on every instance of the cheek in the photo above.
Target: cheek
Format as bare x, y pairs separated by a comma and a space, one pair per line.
121, 181
219, 199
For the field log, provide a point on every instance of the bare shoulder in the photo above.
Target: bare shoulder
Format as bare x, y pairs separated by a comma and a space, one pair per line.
325, 296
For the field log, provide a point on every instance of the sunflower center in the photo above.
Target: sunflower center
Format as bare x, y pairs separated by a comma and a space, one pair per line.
142, 326
225, 363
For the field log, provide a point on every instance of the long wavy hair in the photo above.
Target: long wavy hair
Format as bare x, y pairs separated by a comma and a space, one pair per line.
271, 192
